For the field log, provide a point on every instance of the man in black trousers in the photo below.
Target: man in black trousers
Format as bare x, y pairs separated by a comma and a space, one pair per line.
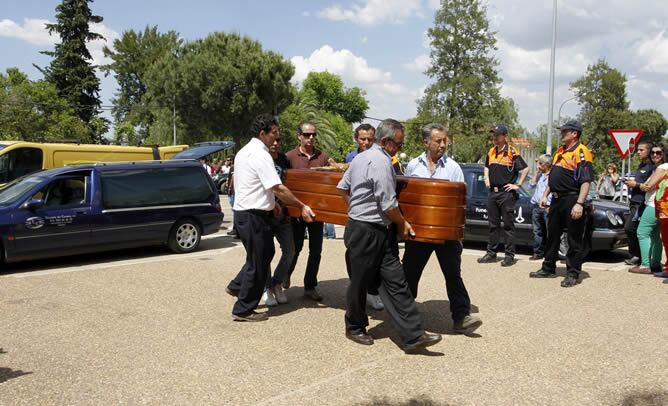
505, 171
256, 185
434, 164
369, 188
569, 182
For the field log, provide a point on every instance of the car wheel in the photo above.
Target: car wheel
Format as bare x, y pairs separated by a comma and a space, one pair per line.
223, 187
185, 236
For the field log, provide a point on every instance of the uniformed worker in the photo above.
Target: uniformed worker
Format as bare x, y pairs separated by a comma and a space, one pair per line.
434, 164
256, 185
569, 182
369, 189
505, 171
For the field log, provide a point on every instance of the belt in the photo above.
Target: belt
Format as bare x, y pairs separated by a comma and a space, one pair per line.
373, 225
264, 213
564, 194
497, 188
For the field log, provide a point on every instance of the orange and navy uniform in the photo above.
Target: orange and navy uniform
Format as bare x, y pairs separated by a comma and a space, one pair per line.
504, 165
570, 168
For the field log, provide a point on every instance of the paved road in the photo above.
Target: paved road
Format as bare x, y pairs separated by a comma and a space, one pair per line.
144, 326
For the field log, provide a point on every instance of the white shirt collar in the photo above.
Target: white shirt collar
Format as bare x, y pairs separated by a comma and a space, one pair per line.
442, 160
257, 142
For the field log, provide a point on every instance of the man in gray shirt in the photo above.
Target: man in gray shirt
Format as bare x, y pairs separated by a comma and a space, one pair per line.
372, 252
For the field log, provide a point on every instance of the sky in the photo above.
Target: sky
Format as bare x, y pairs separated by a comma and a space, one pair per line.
382, 47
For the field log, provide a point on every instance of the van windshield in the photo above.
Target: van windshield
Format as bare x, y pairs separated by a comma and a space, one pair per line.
14, 191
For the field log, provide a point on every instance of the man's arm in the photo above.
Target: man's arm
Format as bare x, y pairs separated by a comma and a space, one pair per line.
345, 194
543, 201
405, 230
578, 208
289, 198
486, 173
523, 174
534, 179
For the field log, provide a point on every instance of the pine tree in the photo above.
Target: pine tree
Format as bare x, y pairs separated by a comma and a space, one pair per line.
71, 69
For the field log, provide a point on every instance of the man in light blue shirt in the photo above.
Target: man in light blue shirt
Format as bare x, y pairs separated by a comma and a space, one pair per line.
539, 214
434, 164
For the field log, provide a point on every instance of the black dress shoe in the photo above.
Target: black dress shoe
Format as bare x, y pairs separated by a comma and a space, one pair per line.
360, 337
250, 316
569, 281
232, 292
425, 340
535, 257
542, 274
632, 261
486, 259
508, 261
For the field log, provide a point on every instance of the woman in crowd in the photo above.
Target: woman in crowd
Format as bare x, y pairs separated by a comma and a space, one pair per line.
607, 182
649, 236
658, 183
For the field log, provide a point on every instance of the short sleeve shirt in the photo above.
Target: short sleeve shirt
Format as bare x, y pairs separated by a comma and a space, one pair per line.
504, 165
371, 182
351, 155
281, 164
571, 167
643, 173
299, 160
254, 177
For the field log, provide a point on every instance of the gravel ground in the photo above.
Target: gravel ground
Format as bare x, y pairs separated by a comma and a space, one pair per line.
146, 327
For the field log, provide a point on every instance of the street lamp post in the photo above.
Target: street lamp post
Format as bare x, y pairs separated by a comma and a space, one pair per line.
562, 105
550, 108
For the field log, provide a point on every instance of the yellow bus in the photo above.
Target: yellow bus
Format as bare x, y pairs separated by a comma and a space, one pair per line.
18, 158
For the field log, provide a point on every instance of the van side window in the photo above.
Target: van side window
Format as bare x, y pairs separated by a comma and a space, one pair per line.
154, 187
64, 192
479, 188
19, 162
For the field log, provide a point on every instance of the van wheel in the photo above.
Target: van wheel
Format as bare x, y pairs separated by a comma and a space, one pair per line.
185, 236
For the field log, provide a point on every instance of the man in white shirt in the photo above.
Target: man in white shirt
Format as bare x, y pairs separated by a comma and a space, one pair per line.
256, 186
434, 164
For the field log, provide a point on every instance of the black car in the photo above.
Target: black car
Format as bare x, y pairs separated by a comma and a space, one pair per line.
605, 229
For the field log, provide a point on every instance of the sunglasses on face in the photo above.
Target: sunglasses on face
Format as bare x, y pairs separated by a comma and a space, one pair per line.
399, 145
309, 135
657, 152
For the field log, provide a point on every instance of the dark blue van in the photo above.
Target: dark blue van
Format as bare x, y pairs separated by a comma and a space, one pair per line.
108, 206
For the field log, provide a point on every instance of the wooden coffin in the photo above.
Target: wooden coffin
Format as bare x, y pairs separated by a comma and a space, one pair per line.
436, 209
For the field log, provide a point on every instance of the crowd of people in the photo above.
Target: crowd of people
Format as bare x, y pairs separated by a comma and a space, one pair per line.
643, 224
378, 277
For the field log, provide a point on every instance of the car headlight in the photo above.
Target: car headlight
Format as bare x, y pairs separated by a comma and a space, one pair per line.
619, 218
612, 217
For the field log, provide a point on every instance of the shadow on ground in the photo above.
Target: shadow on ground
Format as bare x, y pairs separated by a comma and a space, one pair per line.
646, 399
217, 242
418, 401
8, 373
